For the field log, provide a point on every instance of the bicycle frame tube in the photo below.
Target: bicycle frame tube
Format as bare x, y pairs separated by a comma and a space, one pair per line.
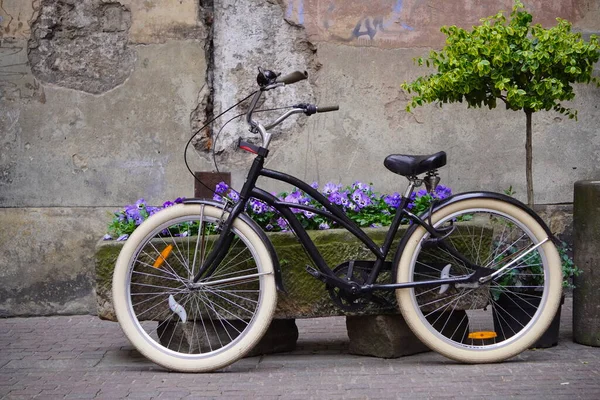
225, 238
336, 214
330, 211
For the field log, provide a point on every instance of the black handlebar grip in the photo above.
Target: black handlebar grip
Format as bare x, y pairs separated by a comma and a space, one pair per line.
294, 77
327, 109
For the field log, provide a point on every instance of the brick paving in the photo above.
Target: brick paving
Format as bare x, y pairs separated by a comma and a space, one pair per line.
82, 357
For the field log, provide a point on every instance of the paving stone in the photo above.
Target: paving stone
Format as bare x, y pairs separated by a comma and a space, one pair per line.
107, 367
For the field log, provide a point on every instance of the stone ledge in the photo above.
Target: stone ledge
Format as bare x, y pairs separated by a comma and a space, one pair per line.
306, 296
373, 331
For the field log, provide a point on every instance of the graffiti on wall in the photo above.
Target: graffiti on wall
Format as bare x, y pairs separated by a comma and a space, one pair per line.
405, 23
352, 21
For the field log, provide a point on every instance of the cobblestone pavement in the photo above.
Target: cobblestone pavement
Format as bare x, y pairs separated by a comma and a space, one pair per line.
82, 357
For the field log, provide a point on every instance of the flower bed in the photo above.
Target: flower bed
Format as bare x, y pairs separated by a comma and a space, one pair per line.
306, 296
364, 206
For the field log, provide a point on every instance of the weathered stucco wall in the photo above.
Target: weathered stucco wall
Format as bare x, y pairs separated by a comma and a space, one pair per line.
360, 54
97, 100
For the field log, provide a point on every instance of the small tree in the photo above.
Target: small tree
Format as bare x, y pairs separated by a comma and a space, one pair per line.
527, 67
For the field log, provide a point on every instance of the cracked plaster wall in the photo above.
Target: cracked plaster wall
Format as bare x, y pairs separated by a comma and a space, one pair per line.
358, 54
96, 102
81, 45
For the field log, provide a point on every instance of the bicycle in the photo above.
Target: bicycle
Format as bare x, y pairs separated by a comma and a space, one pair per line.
195, 286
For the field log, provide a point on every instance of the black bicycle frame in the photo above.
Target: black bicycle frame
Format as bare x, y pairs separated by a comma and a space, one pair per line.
332, 212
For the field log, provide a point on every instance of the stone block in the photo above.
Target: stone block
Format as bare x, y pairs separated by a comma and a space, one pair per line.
389, 336
385, 336
281, 336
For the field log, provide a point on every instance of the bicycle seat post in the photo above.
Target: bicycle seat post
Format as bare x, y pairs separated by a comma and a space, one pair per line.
413, 182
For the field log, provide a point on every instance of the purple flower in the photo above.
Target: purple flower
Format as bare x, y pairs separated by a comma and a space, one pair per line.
179, 200
131, 210
233, 195
331, 188
360, 198
258, 207
269, 227
335, 198
361, 186
282, 223
345, 199
107, 237
153, 210
314, 185
218, 198
422, 193
308, 214
221, 188
304, 200
393, 200
323, 226
122, 238
168, 204
442, 192
132, 213
141, 203
293, 197
411, 202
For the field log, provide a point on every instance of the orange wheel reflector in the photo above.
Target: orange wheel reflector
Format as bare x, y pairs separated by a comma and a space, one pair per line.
163, 256
482, 335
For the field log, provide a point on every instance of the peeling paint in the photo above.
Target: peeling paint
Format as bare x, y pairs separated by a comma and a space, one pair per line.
82, 45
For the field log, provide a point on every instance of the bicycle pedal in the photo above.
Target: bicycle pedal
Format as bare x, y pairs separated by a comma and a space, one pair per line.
315, 273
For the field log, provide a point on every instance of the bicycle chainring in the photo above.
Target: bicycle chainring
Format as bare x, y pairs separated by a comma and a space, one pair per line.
344, 299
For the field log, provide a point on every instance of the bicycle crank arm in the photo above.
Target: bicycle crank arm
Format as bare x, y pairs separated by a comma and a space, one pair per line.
199, 285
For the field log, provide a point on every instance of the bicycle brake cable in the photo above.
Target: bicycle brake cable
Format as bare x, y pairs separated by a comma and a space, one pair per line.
217, 136
200, 130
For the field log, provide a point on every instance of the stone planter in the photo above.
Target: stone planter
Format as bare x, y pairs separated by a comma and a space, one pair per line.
306, 296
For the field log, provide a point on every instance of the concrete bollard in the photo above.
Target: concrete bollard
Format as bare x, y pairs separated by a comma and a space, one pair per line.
586, 295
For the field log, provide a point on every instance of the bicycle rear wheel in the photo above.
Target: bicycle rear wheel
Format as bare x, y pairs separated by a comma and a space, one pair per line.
479, 323
187, 327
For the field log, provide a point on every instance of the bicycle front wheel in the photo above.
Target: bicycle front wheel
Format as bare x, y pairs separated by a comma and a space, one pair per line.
472, 322
185, 326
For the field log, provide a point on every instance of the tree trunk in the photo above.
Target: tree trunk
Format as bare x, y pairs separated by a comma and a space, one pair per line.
529, 159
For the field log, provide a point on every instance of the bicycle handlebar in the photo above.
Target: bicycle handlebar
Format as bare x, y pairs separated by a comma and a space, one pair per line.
268, 80
294, 77
327, 109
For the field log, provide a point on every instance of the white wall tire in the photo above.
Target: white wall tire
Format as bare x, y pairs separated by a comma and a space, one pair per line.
129, 262
419, 313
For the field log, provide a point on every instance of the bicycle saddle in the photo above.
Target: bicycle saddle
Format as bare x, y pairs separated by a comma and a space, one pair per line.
407, 165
